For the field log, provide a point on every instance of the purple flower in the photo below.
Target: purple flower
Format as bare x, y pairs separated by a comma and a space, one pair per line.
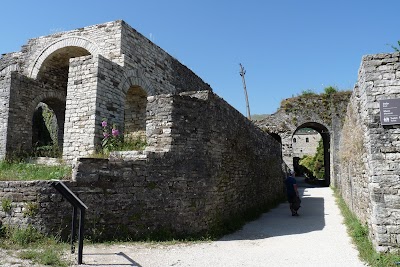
106, 135
104, 123
115, 132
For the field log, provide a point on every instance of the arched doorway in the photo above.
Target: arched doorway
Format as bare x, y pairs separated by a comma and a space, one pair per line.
135, 113
305, 139
53, 76
47, 128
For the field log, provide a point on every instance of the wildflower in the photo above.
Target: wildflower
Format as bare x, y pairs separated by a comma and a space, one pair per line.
104, 124
106, 135
115, 132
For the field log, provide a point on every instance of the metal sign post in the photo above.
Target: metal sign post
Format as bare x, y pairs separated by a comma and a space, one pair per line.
77, 204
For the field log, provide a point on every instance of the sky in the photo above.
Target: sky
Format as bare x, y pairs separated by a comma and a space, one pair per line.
285, 46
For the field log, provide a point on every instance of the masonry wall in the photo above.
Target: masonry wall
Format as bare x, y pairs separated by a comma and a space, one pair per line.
95, 66
369, 179
215, 166
5, 81
80, 117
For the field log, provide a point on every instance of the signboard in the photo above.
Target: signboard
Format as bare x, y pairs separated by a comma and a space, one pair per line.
390, 111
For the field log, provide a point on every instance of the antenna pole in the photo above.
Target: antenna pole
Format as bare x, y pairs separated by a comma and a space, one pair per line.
242, 73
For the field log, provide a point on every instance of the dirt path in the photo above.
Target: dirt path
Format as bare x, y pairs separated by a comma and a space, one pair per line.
316, 238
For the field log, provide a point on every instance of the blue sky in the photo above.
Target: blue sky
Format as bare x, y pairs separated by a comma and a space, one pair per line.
285, 46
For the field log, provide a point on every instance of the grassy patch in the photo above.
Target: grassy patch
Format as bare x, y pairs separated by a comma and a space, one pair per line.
359, 234
32, 245
22, 171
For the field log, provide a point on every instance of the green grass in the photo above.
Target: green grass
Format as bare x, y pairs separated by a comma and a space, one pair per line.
359, 234
31, 245
27, 172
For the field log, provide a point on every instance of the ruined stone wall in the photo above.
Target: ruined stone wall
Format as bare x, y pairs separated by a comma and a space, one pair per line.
306, 144
5, 81
205, 165
24, 96
164, 72
95, 67
79, 134
369, 177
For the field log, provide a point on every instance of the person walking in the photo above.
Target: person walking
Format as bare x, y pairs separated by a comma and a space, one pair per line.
292, 193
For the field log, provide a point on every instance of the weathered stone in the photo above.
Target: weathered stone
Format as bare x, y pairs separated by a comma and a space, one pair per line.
377, 176
204, 162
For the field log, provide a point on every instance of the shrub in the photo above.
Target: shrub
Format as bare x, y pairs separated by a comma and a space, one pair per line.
113, 140
31, 209
25, 236
6, 205
330, 90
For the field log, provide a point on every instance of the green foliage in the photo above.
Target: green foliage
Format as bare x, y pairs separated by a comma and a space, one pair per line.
46, 257
308, 92
45, 123
22, 171
330, 90
113, 140
359, 233
129, 144
51, 123
6, 205
315, 164
51, 151
35, 246
396, 48
25, 236
31, 209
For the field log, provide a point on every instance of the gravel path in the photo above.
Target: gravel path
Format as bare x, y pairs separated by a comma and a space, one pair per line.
316, 238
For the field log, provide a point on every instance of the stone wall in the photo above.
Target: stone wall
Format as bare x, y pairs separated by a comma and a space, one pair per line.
324, 113
369, 170
94, 67
205, 166
4, 111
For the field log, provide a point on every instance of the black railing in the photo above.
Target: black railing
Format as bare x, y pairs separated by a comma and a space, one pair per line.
76, 204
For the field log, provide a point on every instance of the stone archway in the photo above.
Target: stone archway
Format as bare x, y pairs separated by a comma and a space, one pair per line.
75, 42
324, 113
326, 139
135, 113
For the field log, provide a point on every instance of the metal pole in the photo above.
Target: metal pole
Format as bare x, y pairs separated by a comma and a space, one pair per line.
73, 230
242, 73
81, 228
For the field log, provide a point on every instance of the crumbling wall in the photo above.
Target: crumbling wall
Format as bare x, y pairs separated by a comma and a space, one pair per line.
205, 165
369, 174
94, 67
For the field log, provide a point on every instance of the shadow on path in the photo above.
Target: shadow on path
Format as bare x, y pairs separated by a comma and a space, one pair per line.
113, 261
279, 222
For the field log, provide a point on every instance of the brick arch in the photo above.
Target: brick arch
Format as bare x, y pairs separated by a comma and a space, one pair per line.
136, 78
61, 96
78, 41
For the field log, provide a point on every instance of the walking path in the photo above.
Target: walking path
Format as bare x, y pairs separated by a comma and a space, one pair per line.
316, 238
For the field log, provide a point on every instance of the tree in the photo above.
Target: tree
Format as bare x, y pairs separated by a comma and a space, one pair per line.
315, 164
396, 48
330, 90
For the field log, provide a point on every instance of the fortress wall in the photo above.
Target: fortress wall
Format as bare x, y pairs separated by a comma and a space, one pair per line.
370, 176
80, 115
5, 81
216, 166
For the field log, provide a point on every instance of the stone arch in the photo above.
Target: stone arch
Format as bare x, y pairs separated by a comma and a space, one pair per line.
56, 102
136, 88
136, 78
9, 68
71, 41
326, 139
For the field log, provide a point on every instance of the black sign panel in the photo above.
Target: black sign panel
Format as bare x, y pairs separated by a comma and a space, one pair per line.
390, 111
